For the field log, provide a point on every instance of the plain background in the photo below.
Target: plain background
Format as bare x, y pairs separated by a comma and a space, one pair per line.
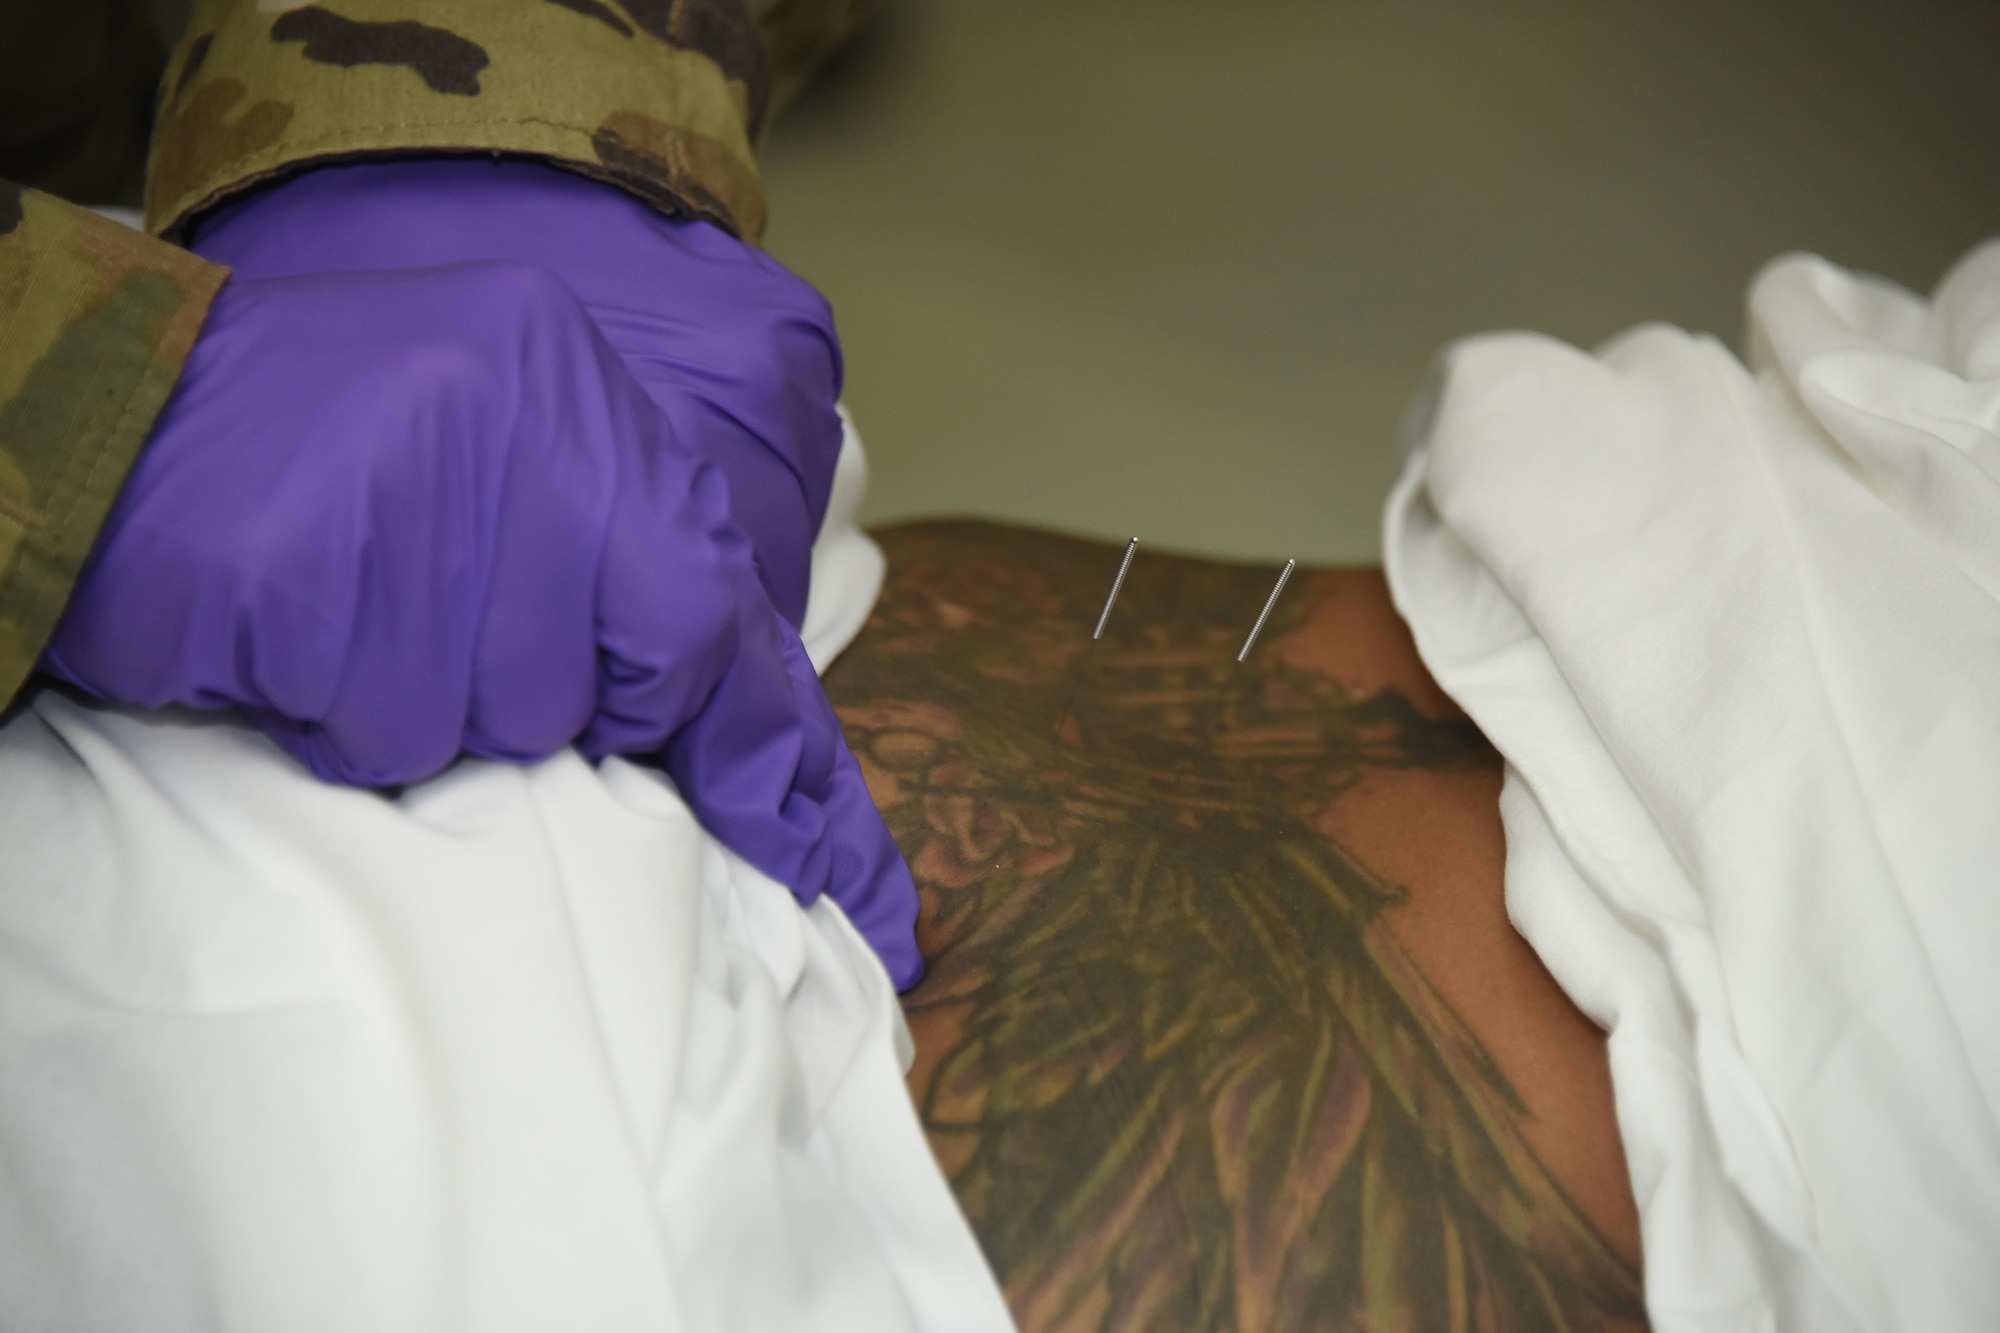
1175, 269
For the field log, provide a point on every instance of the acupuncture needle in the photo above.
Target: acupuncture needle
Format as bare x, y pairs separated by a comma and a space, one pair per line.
1131, 549
1265, 615
1229, 678
1103, 618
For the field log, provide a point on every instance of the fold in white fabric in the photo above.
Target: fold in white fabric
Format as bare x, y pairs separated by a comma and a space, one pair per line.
1735, 631
521, 1049
847, 565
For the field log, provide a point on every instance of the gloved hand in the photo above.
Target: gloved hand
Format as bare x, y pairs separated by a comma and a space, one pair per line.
394, 516
739, 353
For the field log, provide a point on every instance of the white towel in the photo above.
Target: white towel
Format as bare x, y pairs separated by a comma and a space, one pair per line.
1735, 631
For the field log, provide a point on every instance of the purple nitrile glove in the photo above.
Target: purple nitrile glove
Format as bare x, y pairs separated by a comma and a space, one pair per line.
397, 516
739, 353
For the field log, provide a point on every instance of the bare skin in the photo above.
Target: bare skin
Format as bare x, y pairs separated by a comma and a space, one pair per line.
1225, 1027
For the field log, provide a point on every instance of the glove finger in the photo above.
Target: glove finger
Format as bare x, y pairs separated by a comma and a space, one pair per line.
867, 874
750, 384
481, 407
692, 668
766, 498
534, 686
759, 758
478, 612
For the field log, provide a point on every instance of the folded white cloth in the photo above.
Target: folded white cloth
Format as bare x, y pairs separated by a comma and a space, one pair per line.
1735, 631
847, 565
522, 1049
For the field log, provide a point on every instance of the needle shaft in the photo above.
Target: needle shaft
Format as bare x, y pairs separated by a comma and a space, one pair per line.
1265, 615
1131, 548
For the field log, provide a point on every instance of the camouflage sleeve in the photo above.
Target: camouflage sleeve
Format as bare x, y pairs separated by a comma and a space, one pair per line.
96, 322
663, 98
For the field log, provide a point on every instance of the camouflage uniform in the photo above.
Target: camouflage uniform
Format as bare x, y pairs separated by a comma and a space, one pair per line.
96, 322
663, 98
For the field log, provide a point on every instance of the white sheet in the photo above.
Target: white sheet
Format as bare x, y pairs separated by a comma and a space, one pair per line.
1735, 631
524, 1049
